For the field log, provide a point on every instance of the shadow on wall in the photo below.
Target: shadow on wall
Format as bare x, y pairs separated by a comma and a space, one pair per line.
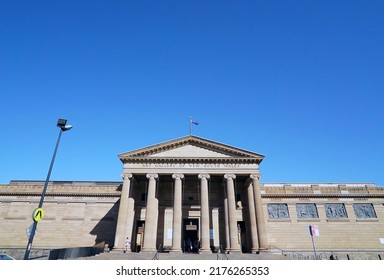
104, 233
105, 229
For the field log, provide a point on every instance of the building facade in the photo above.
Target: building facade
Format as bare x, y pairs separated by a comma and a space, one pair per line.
194, 189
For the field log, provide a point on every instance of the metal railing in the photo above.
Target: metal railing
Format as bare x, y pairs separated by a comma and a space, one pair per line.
157, 254
221, 255
329, 254
293, 254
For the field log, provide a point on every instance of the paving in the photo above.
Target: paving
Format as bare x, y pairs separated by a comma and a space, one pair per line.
119, 255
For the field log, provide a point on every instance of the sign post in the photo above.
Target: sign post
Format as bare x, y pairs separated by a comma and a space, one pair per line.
38, 213
314, 231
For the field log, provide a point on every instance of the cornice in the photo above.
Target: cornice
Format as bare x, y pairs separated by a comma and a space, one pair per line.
234, 152
61, 194
134, 159
118, 193
321, 195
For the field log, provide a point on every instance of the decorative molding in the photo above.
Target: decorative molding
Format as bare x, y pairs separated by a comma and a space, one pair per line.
309, 220
232, 153
367, 220
152, 176
177, 176
126, 176
204, 176
338, 220
64, 194
229, 176
326, 195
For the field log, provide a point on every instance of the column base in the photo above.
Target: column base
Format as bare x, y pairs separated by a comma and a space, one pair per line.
175, 251
205, 251
263, 250
233, 251
149, 250
121, 250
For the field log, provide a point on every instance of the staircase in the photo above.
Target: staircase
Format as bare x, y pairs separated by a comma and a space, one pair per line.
119, 255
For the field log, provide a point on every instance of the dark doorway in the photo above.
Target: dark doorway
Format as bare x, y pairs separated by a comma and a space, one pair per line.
242, 236
190, 233
139, 238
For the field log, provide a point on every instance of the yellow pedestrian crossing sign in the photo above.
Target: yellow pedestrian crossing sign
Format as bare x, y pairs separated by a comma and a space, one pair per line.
38, 214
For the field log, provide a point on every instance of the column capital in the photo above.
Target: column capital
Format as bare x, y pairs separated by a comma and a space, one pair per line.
255, 176
177, 176
152, 175
229, 176
126, 176
204, 175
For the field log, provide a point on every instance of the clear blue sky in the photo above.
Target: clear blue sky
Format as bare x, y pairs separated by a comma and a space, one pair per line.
301, 82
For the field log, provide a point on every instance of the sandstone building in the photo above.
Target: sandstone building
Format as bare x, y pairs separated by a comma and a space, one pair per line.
196, 189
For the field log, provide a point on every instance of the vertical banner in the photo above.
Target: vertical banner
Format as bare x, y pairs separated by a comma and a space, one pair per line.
314, 230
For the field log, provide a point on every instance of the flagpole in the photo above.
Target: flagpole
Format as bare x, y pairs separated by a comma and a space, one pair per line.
314, 247
190, 125
312, 232
192, 122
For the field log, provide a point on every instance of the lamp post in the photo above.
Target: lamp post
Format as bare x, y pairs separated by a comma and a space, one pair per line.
38, 213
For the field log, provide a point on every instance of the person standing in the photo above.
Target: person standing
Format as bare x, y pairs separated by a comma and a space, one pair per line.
127, 244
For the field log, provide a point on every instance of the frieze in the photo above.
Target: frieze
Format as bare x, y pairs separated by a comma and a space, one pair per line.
364, 211
306, 210
278, 211
335, 210
190, 165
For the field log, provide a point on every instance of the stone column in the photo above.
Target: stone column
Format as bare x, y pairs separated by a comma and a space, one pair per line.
260, 222
233, 230
177, 213
151, 216
205, 240
121, 227
227, 240
252, 219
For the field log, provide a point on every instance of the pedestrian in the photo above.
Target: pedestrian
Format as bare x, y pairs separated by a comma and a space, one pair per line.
189, 245
127, 244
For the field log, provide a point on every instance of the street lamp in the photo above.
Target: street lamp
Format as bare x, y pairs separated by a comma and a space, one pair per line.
39, 213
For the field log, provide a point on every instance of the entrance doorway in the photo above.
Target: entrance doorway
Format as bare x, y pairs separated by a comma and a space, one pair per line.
139, 235
191, 234
242, 236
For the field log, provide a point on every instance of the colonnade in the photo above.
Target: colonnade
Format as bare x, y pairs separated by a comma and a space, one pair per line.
257, 225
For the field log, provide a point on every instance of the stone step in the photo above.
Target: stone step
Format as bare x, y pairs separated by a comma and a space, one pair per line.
119, 255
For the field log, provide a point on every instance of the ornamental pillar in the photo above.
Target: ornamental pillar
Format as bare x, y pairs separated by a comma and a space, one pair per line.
122, 232
233, 230
205, 240
151, 216
260, 222
252, 218
177, 213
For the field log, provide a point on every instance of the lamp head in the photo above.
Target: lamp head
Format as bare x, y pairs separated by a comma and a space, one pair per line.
62, 123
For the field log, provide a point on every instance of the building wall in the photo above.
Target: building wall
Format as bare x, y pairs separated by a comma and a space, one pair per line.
84, 214
336, 233
74, 216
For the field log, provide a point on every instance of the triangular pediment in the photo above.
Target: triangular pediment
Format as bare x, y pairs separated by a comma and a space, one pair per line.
190, 147
190, 151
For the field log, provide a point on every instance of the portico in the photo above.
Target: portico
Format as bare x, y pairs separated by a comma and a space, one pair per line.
191, 187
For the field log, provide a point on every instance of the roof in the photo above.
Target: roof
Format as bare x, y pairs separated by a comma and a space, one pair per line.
188, 148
